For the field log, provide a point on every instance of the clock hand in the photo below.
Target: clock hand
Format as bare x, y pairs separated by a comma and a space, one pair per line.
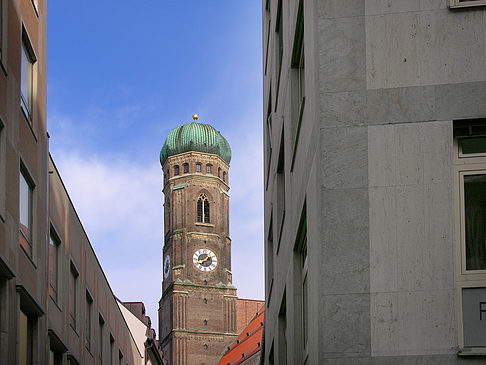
206, 259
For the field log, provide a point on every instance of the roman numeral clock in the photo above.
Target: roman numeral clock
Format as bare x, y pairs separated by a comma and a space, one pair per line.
197, 311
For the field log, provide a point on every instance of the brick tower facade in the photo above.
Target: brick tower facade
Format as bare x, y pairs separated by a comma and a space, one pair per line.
197, 311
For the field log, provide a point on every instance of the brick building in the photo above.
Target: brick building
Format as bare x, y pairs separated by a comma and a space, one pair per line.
199, 310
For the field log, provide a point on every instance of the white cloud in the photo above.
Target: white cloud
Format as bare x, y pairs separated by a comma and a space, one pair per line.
120, 206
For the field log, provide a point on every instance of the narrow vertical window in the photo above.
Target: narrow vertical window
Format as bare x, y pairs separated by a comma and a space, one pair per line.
186, 168
298, 80
112, 348
208, 169
280, 189
219, 172
305, 311
279, 41
88, 320
269, 260
203, 209
224, 176
53, 265
101, 324
27, 77
176, 170
282, 332
120, 357
73, 288
198, 167
25, 211
475, 220
26, 336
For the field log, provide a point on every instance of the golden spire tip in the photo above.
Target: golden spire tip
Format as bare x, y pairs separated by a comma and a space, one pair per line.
195, 117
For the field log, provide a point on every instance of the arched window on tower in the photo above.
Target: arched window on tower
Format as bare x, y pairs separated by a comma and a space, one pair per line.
203, 209
224, 176
176, 170
219, 172
186, 168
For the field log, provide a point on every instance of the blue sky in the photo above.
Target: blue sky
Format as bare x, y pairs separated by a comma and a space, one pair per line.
121, 75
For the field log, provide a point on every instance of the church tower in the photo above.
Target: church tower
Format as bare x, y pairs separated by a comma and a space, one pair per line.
197, 311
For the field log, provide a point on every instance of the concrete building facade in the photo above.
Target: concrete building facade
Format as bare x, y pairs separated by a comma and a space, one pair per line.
375, 171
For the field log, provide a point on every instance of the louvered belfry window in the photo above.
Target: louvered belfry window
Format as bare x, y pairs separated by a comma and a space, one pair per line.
203, 209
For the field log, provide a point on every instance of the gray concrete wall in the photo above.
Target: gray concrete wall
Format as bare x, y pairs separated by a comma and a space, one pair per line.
384, 81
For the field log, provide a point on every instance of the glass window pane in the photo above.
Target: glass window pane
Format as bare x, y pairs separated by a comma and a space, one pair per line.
26, 79
475, 216
25, 213
25, 339
473, 145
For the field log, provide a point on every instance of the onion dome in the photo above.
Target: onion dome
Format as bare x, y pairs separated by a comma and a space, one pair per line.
197, 137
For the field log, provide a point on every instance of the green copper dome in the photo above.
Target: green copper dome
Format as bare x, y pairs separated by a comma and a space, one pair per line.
195, 137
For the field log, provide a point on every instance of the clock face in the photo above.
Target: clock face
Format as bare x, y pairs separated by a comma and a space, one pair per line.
166, 266
205, 260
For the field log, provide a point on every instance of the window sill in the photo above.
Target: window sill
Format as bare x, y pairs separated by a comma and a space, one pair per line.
27, 254
29, 122
204, 224
472, 351
466, 4
55, 303
74, 329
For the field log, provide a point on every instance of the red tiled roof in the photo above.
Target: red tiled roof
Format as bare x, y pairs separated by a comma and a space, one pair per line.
248, 342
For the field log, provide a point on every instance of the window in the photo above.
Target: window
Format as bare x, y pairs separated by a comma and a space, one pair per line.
55, 358
219, 172
26, 338
25, 211
280, 189
269, 260
208, 169
53, 265
198, 167
470, 180
73, 283
279, 42
224, 176
88, 319
120, 357
176, 170
464, 3
298, 79
101, 324
268, 135
267, 45
112, 348
36, 5
27, 77
203, 209
282, 332
186, 168
298, 53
